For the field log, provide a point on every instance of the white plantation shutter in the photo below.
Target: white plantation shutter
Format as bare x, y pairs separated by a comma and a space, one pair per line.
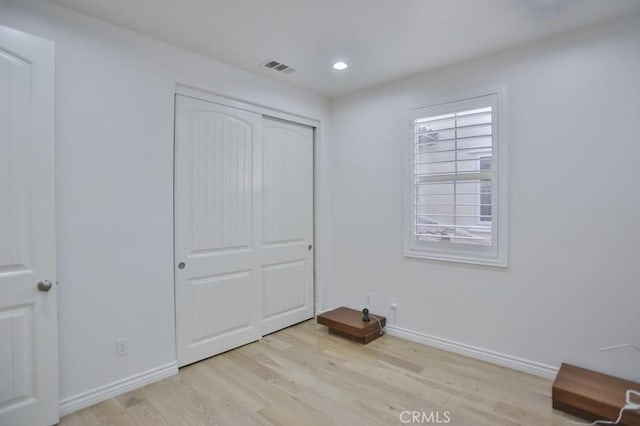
454, 177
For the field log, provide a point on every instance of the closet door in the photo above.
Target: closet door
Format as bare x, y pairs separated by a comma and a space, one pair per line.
287, 237
243, 227
217, 233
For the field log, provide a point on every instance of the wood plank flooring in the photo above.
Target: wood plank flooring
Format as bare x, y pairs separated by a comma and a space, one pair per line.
304, 376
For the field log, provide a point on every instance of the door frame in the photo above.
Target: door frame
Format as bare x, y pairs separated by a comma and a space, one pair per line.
264, 110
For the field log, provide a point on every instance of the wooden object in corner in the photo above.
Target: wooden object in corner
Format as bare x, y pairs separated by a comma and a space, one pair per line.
592, 396
348, 323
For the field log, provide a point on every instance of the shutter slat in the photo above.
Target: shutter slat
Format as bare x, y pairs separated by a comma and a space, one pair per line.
446, 129
468, 177
449, 116
457, 204
484, 149
449, 215
447, 161
430, 225
453, 139
455, 237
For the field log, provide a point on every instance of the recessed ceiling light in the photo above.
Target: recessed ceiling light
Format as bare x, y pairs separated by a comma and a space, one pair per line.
340, 65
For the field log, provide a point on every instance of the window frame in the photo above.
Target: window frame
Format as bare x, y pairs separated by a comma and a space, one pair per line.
497, 253
479, 220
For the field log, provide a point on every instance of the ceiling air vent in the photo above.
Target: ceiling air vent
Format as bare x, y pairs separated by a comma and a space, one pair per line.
272, 64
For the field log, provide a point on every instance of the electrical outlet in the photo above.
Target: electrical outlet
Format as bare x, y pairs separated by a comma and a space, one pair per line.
122, 347
367, 298
394, 303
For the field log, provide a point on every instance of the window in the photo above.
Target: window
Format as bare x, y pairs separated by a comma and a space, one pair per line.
454, 208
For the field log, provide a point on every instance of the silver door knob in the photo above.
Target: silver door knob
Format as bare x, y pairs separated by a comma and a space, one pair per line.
44, 285
181, 265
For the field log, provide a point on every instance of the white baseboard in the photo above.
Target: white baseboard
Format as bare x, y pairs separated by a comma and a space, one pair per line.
497, 358
94, 396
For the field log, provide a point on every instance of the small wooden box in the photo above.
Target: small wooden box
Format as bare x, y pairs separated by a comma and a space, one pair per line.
348, 323
592, 396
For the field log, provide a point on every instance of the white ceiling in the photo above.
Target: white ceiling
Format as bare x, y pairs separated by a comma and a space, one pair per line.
380, 39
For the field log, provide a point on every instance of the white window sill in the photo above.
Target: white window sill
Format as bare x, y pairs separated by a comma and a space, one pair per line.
458, 258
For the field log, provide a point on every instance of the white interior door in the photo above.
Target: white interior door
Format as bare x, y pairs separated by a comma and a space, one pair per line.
216, 231
287, 242
28, 316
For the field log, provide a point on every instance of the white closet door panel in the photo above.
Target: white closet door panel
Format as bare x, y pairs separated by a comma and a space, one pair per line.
233, 315
221, 176
16, 358
287, 246
282, 290
215, 228
15, 145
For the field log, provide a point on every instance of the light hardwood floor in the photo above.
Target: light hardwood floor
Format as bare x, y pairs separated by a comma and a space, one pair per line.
304, 376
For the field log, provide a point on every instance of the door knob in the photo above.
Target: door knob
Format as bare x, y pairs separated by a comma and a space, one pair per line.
44, 285
181, 265
310, 247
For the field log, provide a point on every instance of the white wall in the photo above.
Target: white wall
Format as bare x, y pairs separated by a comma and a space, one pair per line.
114, 154
573, 281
